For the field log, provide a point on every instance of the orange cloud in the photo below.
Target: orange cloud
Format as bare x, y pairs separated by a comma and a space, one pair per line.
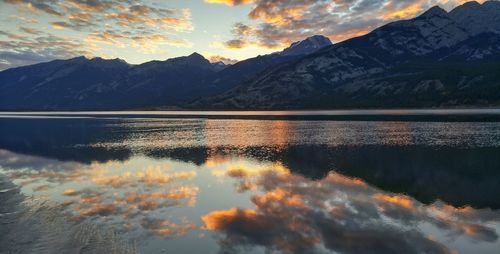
99, 209
82, 17
242, 171
280, 23
402, 13
229, 2
167, 228
245, 186
345, 180
91, 6
478, 232
29, 30
219, 58
151, 176
279, 195
59, 25
282, 18
180, 21
218, 220
144, 27
44, 187
399, 200
235, 44
23, 19
350, 34
154, 200
71, 192
296, 214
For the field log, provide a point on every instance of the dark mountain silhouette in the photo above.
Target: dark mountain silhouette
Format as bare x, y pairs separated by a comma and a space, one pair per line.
438, 59
82, 83
237, 73
98, 84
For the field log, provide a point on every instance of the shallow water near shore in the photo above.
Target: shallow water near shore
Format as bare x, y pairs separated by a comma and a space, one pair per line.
199, 185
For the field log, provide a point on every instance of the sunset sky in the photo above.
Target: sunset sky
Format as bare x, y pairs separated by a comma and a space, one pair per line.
137, 31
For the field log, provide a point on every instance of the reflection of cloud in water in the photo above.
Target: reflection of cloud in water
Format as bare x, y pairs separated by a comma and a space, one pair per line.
290, 213
297, 215
31, 225
167, 228
112, 192
242, 171
155, 200
148, 176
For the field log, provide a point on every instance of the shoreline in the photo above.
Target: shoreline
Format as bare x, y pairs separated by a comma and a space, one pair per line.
447, 115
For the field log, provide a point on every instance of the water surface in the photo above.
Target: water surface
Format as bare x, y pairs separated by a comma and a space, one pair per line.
198, 185
452, 114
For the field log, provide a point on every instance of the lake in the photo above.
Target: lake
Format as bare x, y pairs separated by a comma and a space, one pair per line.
236, 182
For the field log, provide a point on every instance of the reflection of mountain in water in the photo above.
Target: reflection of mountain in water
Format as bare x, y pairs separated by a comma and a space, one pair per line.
62, 139
426, 172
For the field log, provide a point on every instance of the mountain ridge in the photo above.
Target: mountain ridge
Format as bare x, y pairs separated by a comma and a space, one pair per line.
432, 37
115, 84
390, 66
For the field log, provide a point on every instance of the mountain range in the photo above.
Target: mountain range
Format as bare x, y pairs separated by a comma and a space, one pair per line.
438, 59
96, 84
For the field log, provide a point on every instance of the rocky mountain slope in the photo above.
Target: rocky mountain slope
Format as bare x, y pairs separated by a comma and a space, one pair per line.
307, 46
435, 59
58, 83
242, 71
99, 84
89, 84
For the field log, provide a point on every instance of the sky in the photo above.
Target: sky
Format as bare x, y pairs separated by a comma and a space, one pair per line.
138, 31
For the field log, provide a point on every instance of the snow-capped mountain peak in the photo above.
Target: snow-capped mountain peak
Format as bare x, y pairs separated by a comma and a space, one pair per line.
307, 46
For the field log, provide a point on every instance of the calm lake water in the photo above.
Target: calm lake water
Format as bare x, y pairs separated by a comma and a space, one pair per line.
198, 185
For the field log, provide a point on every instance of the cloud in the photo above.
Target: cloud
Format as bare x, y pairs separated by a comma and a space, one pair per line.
23, 19
29, 50
282, 22
82, 21
150, 43
92, 5
139, 25
167, 228
71, 192
109, 37
29, 30
36, 6
294, 214
240, 29
149, 176
59, 25
12, 36
100, 210
235, 44
127, 201
229, 2
80, 17
219, 58
157, 18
